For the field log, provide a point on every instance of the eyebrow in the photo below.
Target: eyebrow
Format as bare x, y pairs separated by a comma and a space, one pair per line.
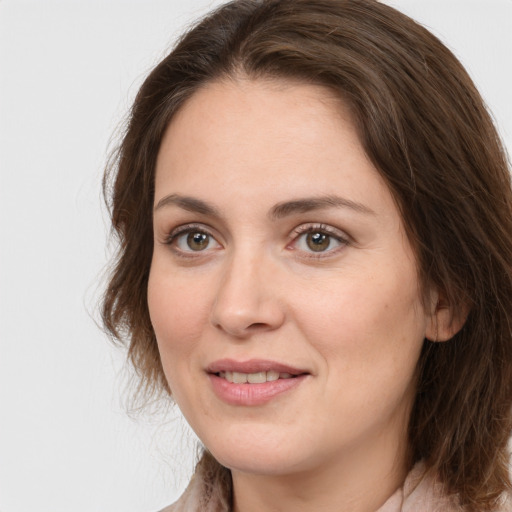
279, 211
309, 204
190, 204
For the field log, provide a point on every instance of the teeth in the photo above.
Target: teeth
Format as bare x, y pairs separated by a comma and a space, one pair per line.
254, 378
257, 378
272, 375
239, 378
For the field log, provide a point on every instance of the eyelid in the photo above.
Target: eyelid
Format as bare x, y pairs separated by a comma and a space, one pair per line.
331, 231
171, 238
185, 228
303, 229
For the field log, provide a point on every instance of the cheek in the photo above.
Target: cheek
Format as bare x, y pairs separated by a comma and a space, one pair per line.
375, 322
178, 313
369, 339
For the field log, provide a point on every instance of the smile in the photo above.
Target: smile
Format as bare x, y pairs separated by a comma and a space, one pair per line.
254, 382
254, 378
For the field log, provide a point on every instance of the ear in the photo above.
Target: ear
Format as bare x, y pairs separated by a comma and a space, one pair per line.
445, 320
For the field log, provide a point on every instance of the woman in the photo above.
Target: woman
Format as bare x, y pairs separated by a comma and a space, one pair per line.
314, 212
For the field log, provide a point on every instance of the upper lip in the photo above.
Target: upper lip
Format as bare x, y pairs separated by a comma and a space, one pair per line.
252, 366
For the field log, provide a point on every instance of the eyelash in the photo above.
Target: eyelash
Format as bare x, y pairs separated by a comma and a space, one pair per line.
297, 233
186, 229
323, 229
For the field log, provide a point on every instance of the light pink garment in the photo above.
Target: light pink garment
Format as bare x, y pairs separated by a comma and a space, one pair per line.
420, 493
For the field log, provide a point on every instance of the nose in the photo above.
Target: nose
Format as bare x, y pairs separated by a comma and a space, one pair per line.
247, 301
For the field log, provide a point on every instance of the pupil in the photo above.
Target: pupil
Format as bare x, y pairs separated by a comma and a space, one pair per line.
197, 241
318, 241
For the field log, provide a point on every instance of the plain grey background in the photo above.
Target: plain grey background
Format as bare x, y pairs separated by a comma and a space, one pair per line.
68, 71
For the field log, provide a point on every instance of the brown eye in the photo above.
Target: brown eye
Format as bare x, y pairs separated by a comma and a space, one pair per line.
318, 242
321, 240
193, 240
197, 241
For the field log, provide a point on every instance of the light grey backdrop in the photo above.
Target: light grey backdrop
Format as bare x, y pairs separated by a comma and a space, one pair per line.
68, 71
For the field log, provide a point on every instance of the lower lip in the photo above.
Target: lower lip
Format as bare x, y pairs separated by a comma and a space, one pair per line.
252, 394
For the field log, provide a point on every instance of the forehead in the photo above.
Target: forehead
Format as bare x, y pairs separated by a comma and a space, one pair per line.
235, 107
279, 138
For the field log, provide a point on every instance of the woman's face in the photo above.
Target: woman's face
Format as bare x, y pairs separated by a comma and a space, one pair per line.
280, 258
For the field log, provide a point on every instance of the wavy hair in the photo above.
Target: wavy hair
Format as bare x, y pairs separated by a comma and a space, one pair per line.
426, 129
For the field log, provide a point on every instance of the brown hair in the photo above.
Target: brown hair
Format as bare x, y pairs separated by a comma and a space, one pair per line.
427, 131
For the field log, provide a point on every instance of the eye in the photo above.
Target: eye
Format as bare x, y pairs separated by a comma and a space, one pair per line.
194, 241
318, 242
318, 239
189, 239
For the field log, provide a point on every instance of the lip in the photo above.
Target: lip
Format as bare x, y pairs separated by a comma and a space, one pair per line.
253, 366
253, 394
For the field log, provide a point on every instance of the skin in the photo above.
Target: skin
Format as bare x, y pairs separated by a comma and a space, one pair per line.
350, 315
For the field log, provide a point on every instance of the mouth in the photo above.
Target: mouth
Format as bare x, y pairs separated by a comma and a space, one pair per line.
253, 382
254, 371
254, 378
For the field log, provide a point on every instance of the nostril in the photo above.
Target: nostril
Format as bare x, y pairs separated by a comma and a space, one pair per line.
257, 325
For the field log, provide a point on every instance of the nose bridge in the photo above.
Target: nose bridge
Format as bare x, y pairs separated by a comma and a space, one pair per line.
246, 300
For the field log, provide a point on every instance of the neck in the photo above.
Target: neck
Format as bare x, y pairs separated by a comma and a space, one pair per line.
361, 480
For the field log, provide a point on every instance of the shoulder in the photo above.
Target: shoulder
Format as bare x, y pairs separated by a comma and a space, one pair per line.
505, 504
170, 508
190, 500
423, 491
205, 492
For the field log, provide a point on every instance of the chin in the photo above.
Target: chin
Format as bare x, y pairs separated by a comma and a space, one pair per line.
260, 453
259, 464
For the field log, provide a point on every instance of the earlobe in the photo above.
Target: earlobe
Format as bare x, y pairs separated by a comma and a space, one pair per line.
445, 321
